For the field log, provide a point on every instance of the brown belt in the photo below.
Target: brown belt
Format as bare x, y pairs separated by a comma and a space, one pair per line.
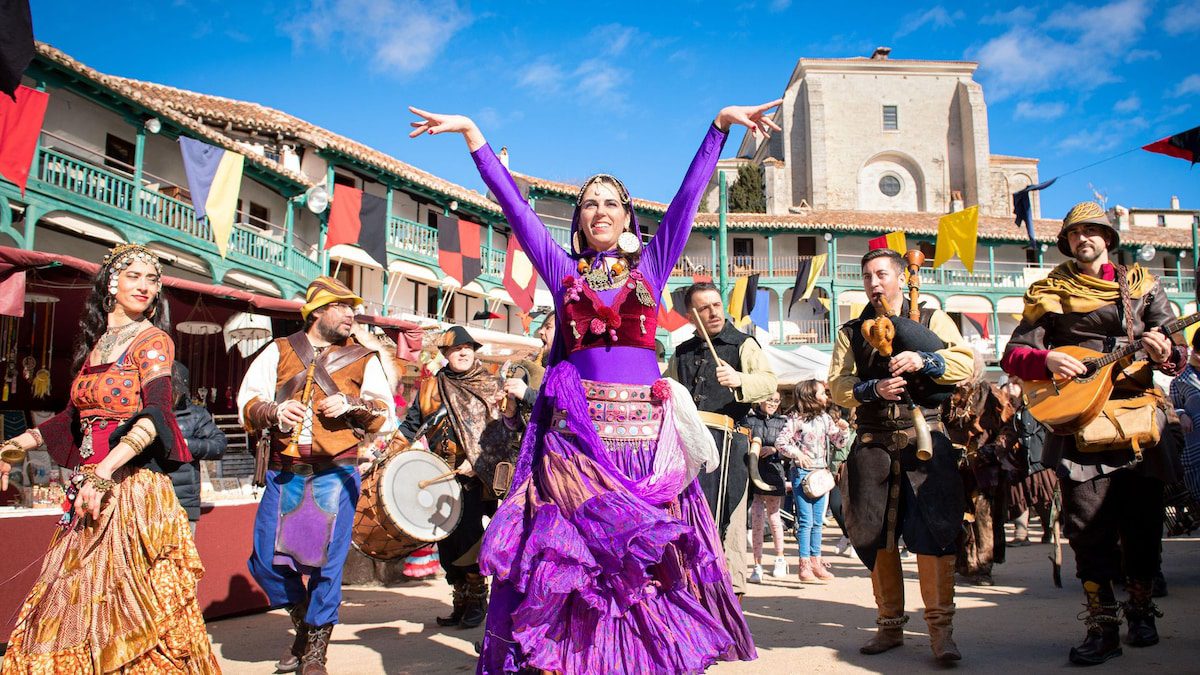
311, 467
721, 422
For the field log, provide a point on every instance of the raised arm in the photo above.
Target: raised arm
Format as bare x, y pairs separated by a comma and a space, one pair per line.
668, 242
549, 259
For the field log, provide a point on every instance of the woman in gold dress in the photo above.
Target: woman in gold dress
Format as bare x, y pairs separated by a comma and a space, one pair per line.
117, 589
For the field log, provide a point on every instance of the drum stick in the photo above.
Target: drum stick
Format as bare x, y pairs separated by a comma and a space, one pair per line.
707, 339
446, 476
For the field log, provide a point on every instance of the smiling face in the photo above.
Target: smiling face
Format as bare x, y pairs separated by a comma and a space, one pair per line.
1088, 243
771, 405
602, 215
137, 286
460, 358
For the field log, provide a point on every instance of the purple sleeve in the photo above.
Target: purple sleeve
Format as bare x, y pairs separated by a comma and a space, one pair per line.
666, 246
548, 258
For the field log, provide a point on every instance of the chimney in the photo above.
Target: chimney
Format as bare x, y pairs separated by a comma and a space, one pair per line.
1174, 203
881, 53
504, 156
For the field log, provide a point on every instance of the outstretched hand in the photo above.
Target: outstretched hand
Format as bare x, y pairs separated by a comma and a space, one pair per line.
753, 117
438, 123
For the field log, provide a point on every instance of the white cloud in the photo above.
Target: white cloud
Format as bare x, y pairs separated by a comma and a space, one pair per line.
1013, 17
1075, 47
1135, 55
1184, 17
401, 36
1107, 135
937, 17
601, 82
1040, 111
779, 5
1128, 104
542, 75
1189, 86
612, 39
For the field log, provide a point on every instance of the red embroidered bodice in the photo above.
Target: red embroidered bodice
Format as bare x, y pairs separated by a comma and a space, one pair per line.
630, 321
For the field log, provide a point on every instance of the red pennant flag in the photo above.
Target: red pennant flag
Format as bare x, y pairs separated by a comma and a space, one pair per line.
1184, 145
458, 249
20, 124
358, 218
520, 279
12, 293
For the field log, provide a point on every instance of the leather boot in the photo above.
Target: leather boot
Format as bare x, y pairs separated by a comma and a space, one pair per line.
1140, 612
290, 661
936, 574
887, 581
475, 607
1103, 640
459, 600
313, 661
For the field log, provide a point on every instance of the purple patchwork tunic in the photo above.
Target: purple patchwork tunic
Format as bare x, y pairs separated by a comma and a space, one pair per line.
604, 556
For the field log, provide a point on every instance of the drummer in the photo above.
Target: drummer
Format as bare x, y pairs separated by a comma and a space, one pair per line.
315, 415
455, 406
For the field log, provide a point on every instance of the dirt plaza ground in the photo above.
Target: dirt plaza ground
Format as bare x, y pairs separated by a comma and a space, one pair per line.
1022, 624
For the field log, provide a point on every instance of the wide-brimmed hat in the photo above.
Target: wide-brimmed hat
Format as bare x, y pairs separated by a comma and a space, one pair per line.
1090, 213
455, 336
326, 290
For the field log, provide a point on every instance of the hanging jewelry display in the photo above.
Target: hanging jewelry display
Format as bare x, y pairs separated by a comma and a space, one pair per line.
199, 326
29, 363
41, 380
9, 348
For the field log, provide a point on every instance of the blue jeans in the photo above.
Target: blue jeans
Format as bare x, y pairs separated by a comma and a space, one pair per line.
285, 586
810, 516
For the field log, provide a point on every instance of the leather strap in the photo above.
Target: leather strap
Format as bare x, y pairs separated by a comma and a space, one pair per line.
1126, 303
330, 361
717, 421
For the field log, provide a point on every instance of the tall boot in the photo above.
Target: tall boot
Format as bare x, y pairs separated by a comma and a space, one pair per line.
1103, 640
936, 574
313, 661
887, 581
475, 607
459, 603
1140, 612
290, 661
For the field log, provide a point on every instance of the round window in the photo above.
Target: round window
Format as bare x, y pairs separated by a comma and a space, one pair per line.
889, 185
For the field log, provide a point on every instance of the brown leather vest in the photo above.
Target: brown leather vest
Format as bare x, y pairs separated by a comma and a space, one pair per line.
331, 437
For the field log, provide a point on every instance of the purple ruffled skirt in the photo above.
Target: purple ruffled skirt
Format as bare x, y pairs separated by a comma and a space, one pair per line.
589, 576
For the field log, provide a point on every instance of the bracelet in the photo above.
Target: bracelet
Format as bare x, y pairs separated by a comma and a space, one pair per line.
37, 437
11, 452
137, 439
100, 484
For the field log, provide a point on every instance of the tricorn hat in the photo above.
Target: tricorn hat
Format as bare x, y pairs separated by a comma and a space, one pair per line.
455, 336
1092, 214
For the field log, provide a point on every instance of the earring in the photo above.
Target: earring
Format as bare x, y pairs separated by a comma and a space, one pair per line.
108, 303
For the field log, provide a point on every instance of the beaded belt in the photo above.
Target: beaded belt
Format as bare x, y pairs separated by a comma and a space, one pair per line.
619, 411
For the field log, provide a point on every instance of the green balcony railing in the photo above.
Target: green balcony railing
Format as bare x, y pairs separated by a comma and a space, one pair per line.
492, 261
150, 208
410, 237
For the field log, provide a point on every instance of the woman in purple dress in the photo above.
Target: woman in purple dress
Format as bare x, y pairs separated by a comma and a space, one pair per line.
604, 556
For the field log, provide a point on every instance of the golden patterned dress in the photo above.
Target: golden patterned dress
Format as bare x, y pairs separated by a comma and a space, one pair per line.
118, 594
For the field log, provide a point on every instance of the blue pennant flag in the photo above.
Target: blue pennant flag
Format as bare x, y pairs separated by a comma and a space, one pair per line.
1023, 208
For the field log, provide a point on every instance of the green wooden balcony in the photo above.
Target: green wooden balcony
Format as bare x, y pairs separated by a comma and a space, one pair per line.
72, 184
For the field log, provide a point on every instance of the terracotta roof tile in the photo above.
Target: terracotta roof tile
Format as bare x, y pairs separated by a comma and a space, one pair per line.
261, 118
123, 87
864, 222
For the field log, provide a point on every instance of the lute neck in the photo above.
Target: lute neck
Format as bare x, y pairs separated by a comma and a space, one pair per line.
1132, 348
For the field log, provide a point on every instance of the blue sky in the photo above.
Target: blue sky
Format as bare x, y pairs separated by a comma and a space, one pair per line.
573, 88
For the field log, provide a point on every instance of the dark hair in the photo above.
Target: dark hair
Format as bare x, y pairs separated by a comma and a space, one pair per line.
631, 259
807, 407
94, 321
1196, 340
698, 287
873, 254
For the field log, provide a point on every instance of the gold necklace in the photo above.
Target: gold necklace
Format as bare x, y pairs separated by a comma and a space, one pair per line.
597, 277
113, 337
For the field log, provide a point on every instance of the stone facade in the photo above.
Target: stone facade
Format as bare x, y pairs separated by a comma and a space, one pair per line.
875, 134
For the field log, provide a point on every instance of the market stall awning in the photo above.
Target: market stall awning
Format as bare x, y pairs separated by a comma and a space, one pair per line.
15, 260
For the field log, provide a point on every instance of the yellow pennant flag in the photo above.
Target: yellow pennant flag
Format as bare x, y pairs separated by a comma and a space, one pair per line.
818, 267
893, 240
223, 197
825, 301
957, 235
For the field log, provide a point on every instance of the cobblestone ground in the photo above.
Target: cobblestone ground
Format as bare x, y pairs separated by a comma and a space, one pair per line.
1023, 624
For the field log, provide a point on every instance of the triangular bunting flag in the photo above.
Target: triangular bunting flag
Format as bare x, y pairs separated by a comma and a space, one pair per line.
892, 240
214, 177
1184, 145
1023, 208
672, 311
21, 120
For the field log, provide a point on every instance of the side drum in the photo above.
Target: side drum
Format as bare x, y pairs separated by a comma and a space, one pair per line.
409, 499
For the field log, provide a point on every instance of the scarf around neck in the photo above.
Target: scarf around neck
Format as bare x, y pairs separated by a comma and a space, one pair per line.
1066, 290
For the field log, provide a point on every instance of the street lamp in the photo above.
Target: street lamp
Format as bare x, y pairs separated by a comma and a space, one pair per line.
1146, 252
316, 198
